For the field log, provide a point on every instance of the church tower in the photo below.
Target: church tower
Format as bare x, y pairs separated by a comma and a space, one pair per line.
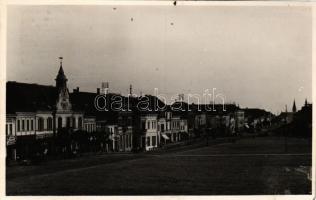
63, 102
294, 107
61, 79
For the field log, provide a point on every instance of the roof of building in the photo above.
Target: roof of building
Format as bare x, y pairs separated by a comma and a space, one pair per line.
29, 97
255, 112
113, 105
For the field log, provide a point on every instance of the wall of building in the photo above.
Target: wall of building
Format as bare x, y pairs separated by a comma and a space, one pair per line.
44, 123
25, 124
149, 139
113, 136
240, 120
10, 126
125, 138
161, 129
89, 125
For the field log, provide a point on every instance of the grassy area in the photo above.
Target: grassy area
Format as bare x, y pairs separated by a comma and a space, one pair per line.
215, 170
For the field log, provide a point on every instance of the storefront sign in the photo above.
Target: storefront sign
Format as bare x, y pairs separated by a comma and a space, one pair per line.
11, 140
42, 136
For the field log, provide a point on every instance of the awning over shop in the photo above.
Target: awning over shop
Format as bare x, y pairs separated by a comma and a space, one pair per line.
165, 136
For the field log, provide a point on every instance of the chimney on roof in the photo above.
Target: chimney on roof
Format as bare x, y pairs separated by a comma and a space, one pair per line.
105, 88
131, 89
98, 90
181, 97
76, 90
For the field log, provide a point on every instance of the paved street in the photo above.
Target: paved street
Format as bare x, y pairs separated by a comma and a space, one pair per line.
262, 165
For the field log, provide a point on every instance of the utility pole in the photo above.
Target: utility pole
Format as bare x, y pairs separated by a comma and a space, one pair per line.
285, 138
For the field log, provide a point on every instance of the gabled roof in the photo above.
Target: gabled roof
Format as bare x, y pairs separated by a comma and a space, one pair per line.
28, 97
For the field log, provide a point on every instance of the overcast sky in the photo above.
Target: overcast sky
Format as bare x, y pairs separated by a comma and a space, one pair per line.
255, 56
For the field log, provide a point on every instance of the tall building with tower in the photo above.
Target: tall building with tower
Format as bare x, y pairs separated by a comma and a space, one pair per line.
36, 112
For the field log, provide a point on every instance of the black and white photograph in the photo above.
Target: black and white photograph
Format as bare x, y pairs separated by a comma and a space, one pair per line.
170, 98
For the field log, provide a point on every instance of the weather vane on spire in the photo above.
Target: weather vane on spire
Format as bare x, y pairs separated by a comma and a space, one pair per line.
61, 60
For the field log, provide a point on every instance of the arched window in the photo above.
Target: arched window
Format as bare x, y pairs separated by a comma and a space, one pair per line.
40, 124
60, 122
23, 127
19, 128
49, 123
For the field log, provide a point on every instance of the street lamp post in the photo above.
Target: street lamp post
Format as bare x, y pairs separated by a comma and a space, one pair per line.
54, 131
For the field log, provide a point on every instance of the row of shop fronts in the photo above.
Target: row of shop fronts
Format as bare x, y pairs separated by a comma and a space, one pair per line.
28, 146
143, 132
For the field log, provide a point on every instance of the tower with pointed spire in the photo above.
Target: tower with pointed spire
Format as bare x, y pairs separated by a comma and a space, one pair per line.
294, 107
61, 79
63, 102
